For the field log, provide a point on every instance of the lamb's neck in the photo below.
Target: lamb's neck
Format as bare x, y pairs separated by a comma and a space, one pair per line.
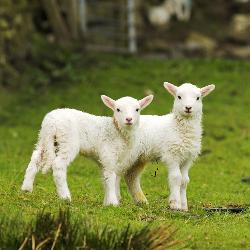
127, 135
192, 125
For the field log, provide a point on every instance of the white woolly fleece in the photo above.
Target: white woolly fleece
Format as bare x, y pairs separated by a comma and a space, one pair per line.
110, 141
174, 139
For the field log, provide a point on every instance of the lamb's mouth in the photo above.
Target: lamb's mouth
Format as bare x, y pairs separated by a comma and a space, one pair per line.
128, 123
188, 112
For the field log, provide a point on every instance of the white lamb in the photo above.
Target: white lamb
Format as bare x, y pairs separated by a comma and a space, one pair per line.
109, 140
175, 139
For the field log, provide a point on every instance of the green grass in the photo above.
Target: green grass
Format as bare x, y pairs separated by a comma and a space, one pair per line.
215, 176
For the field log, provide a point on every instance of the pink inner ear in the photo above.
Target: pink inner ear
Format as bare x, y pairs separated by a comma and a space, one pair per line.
144, 101
108, 101
170, 88
206, 90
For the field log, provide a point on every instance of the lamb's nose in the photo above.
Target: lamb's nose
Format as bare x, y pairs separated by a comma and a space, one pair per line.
128, 119
188, 108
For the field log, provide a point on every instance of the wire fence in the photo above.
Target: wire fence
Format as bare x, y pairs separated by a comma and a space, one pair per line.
109, 25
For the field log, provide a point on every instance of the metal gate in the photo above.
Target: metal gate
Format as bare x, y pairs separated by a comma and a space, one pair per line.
108, 25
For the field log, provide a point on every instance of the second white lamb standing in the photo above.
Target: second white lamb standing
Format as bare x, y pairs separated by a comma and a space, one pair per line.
111, 141
174, 139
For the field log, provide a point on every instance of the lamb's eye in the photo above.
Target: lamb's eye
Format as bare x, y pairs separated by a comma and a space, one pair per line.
118, 110
198, 98
137, 110
179, 97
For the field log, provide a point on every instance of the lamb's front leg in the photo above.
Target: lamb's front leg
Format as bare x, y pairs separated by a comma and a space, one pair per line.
117, 186
185, 180
110, 184
175, 178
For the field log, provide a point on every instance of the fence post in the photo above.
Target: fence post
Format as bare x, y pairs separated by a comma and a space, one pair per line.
132, 44
83, 15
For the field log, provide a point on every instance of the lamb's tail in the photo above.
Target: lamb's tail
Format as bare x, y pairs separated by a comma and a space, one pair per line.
47, 146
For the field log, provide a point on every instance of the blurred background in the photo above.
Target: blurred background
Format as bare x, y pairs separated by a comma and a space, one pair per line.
66, 53
32, 31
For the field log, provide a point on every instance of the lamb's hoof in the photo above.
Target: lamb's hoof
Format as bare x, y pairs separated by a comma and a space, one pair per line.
142, 202
184, 208
27, 188
140, 199
174, 205
65, 197
114, 203
67, 200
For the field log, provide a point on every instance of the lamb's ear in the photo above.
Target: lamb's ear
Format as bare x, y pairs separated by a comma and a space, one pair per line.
207, 90
171, 88
146, 101
109, 102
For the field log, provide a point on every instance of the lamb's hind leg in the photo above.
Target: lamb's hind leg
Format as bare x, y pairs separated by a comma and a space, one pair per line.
132, 179
66, 148
59, 168
31, 171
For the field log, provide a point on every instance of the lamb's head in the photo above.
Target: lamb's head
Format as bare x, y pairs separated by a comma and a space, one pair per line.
127, 110
188, 98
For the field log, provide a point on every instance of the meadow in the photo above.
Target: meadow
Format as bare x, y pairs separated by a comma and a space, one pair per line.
215, 176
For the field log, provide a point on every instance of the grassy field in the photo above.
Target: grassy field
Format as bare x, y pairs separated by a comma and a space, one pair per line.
215, 176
